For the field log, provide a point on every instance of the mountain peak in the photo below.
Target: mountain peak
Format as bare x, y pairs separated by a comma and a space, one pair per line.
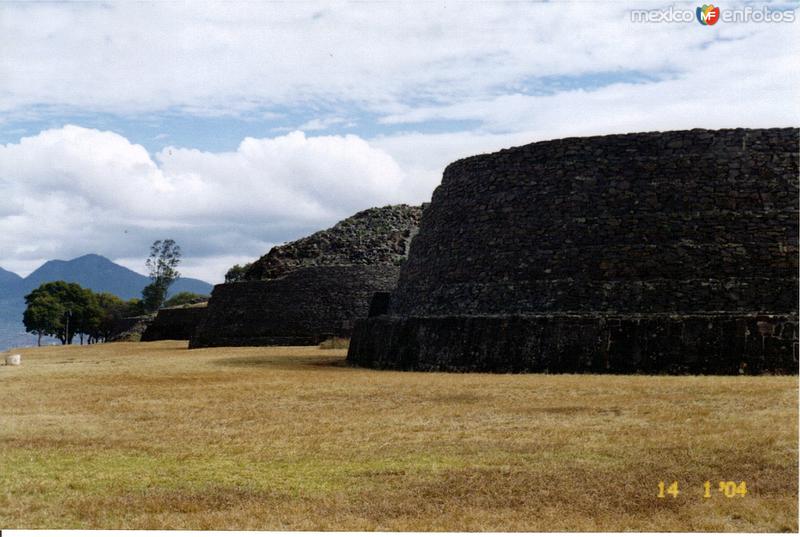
92, 257
6, 276
80, 260
91, 271
100, 274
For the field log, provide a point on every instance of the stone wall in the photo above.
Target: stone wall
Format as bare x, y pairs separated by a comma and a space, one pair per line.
175, 323
632, 229
131, 328
304, 307
304, 291
668, 344
376, 236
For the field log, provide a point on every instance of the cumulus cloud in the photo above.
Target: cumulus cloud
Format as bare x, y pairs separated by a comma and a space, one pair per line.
73, 190
421, 84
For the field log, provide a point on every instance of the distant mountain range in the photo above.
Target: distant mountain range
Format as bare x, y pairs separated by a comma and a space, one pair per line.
92, 271
8, 277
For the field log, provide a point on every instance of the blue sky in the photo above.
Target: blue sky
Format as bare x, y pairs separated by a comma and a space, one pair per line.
218, 133
233, 127
224, 133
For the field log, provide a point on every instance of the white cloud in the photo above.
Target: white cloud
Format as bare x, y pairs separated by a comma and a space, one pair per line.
74, 190
513, 73
748, 79
205, 58
318, 124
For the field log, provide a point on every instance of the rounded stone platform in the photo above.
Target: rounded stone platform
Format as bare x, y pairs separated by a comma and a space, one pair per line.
304, 307
175, 323
669, 344
651, 252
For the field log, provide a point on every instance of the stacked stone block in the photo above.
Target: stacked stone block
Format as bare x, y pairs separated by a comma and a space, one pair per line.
651, 252
314, 288
175, 323
305, 307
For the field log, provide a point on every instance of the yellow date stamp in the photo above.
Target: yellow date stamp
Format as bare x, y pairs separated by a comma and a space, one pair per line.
729, 489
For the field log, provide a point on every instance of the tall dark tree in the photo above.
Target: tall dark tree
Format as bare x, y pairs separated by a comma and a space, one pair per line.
111, 310
165, 256
88, 315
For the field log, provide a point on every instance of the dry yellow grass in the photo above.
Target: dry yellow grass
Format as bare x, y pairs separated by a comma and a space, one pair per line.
151, 435
335, 343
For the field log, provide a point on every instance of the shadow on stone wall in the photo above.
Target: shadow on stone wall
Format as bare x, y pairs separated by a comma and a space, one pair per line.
305, 307
175, 323
651, 252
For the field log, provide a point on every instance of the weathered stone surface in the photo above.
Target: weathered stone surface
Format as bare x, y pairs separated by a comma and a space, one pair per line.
532, 250
314, 288
377, 236
131, 328
304, 307
671, 344
175, 323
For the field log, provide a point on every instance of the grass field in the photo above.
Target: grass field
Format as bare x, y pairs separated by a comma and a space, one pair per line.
151, 435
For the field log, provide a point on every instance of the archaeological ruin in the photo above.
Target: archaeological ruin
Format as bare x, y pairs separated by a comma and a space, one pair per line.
315, 288
179, 322
663, 252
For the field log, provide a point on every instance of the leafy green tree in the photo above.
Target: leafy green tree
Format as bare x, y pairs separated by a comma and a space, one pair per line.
70, 300
184, 297
237, 273
165, 256
43, 316
111, 310
89, 316
152, 297
65, 310
133, 308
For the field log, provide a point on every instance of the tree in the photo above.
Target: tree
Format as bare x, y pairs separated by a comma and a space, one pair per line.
184, 297
43, 316
165, 256
59, 309
152, 297
88, 316
65, 310
237, 273
111, 310
133, 308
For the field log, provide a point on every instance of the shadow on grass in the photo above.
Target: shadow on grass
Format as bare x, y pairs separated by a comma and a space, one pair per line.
281, 362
